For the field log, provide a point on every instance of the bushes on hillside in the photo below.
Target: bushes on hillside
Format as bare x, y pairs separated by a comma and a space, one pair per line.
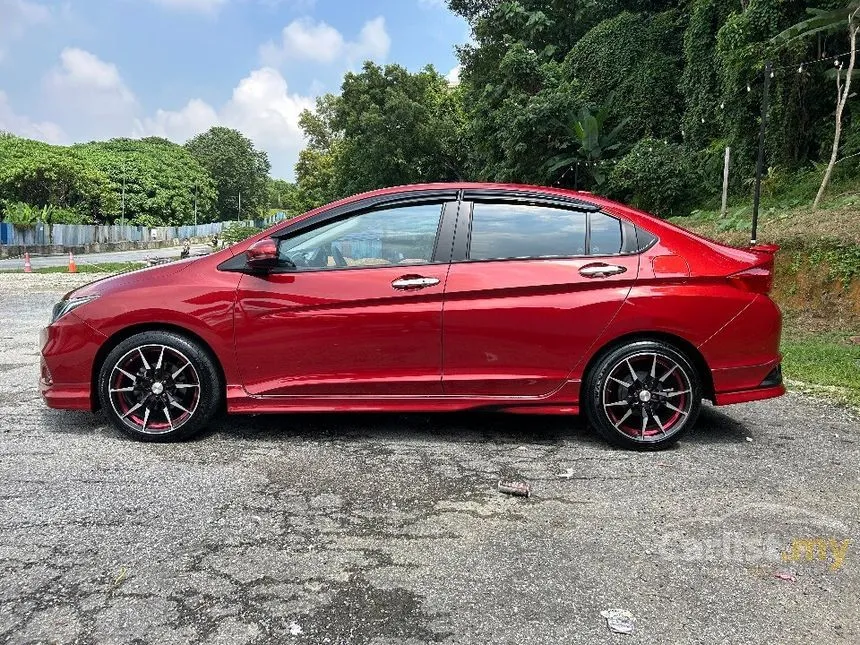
654, 176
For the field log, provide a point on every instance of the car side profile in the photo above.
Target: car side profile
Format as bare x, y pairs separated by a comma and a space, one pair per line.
430, 298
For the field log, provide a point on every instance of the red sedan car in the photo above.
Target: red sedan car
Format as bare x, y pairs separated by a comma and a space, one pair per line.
430, 298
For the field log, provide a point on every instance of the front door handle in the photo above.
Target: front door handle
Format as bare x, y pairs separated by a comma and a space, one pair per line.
601, 270
413, 282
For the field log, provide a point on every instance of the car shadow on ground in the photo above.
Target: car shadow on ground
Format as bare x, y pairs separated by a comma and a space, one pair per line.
713, 427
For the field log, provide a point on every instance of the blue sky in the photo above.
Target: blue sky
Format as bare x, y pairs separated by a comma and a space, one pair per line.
77, 70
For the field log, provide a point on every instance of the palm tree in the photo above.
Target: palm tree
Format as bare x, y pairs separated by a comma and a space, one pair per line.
822, 21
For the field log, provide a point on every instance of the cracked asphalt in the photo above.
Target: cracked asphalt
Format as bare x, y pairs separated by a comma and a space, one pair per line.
389, 529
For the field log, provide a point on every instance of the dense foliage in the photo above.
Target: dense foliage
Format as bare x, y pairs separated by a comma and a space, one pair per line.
240, 171
149, 182
673, 83
159, 180
35, 175
636, 99
387, 127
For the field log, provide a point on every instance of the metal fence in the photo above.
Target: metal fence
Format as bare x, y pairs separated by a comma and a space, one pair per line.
80, 234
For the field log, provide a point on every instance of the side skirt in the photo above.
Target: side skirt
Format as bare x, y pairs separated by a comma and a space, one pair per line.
565, 400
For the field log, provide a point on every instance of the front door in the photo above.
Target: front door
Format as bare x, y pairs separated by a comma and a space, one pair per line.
534, 290
354, 310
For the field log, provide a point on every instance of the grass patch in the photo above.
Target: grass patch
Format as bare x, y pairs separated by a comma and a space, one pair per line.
102, 267
829, 362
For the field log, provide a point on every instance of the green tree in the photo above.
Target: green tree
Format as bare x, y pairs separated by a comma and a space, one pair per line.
830, 21
637, 58
41, 175
237, 168
282, 195
655, 176
161, 180
316, 180
397, 128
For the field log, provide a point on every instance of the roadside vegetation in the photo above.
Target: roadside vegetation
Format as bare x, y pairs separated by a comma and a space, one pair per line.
101, 267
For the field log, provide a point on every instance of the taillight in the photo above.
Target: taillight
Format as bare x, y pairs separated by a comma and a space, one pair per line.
756, 279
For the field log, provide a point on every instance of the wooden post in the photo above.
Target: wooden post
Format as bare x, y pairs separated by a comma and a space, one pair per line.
724, 210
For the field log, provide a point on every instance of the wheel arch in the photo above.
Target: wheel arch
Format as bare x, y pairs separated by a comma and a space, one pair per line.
684, 346
128, 332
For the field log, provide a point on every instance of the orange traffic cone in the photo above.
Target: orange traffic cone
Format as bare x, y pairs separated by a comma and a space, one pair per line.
73, 268
28, 268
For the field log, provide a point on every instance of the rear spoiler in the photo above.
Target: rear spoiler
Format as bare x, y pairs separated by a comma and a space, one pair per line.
770, 249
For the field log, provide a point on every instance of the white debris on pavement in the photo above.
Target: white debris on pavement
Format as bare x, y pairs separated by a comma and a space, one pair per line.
619, 621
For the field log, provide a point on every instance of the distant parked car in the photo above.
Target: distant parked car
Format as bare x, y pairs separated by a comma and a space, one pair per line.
430, 298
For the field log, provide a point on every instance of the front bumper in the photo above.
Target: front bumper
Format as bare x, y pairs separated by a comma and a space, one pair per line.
69, 349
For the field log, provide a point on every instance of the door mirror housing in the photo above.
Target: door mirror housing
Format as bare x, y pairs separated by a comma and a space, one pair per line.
262, 255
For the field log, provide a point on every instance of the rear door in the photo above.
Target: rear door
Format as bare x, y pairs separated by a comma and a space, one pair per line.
531, 287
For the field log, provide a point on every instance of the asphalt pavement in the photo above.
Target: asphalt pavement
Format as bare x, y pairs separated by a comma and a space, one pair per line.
97, 258
374, 529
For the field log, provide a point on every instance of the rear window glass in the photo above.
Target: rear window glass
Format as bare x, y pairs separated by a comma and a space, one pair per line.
605, 235
505, 231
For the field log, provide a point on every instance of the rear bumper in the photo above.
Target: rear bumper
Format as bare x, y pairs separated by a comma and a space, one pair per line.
69, 347
744, 355
769, 387
745, 396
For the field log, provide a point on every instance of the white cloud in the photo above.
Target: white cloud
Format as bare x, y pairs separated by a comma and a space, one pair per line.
261, 107
197, 116
432, 4
82, 75
202, 6
25, 127
453, 77
90, 96
304, 39
15, 17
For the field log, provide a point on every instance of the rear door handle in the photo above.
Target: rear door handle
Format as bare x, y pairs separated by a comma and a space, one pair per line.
412, 282
601, 270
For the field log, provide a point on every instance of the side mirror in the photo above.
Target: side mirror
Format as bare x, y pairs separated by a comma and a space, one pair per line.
262, 255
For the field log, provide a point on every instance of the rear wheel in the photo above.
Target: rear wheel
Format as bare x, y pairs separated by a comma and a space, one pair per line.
159, 386
643, 395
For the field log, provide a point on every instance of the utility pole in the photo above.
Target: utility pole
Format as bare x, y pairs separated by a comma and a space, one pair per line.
195, 206
239, 214
765, 99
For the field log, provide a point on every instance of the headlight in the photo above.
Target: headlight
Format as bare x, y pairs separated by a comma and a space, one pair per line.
65, 306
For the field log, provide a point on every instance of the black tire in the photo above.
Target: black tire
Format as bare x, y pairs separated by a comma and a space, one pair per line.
169, 401
650, 412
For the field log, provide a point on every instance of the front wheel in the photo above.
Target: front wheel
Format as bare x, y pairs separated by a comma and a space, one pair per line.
643, 395
159, 386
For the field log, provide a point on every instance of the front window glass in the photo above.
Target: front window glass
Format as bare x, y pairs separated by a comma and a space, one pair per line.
506, 231
391, 236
